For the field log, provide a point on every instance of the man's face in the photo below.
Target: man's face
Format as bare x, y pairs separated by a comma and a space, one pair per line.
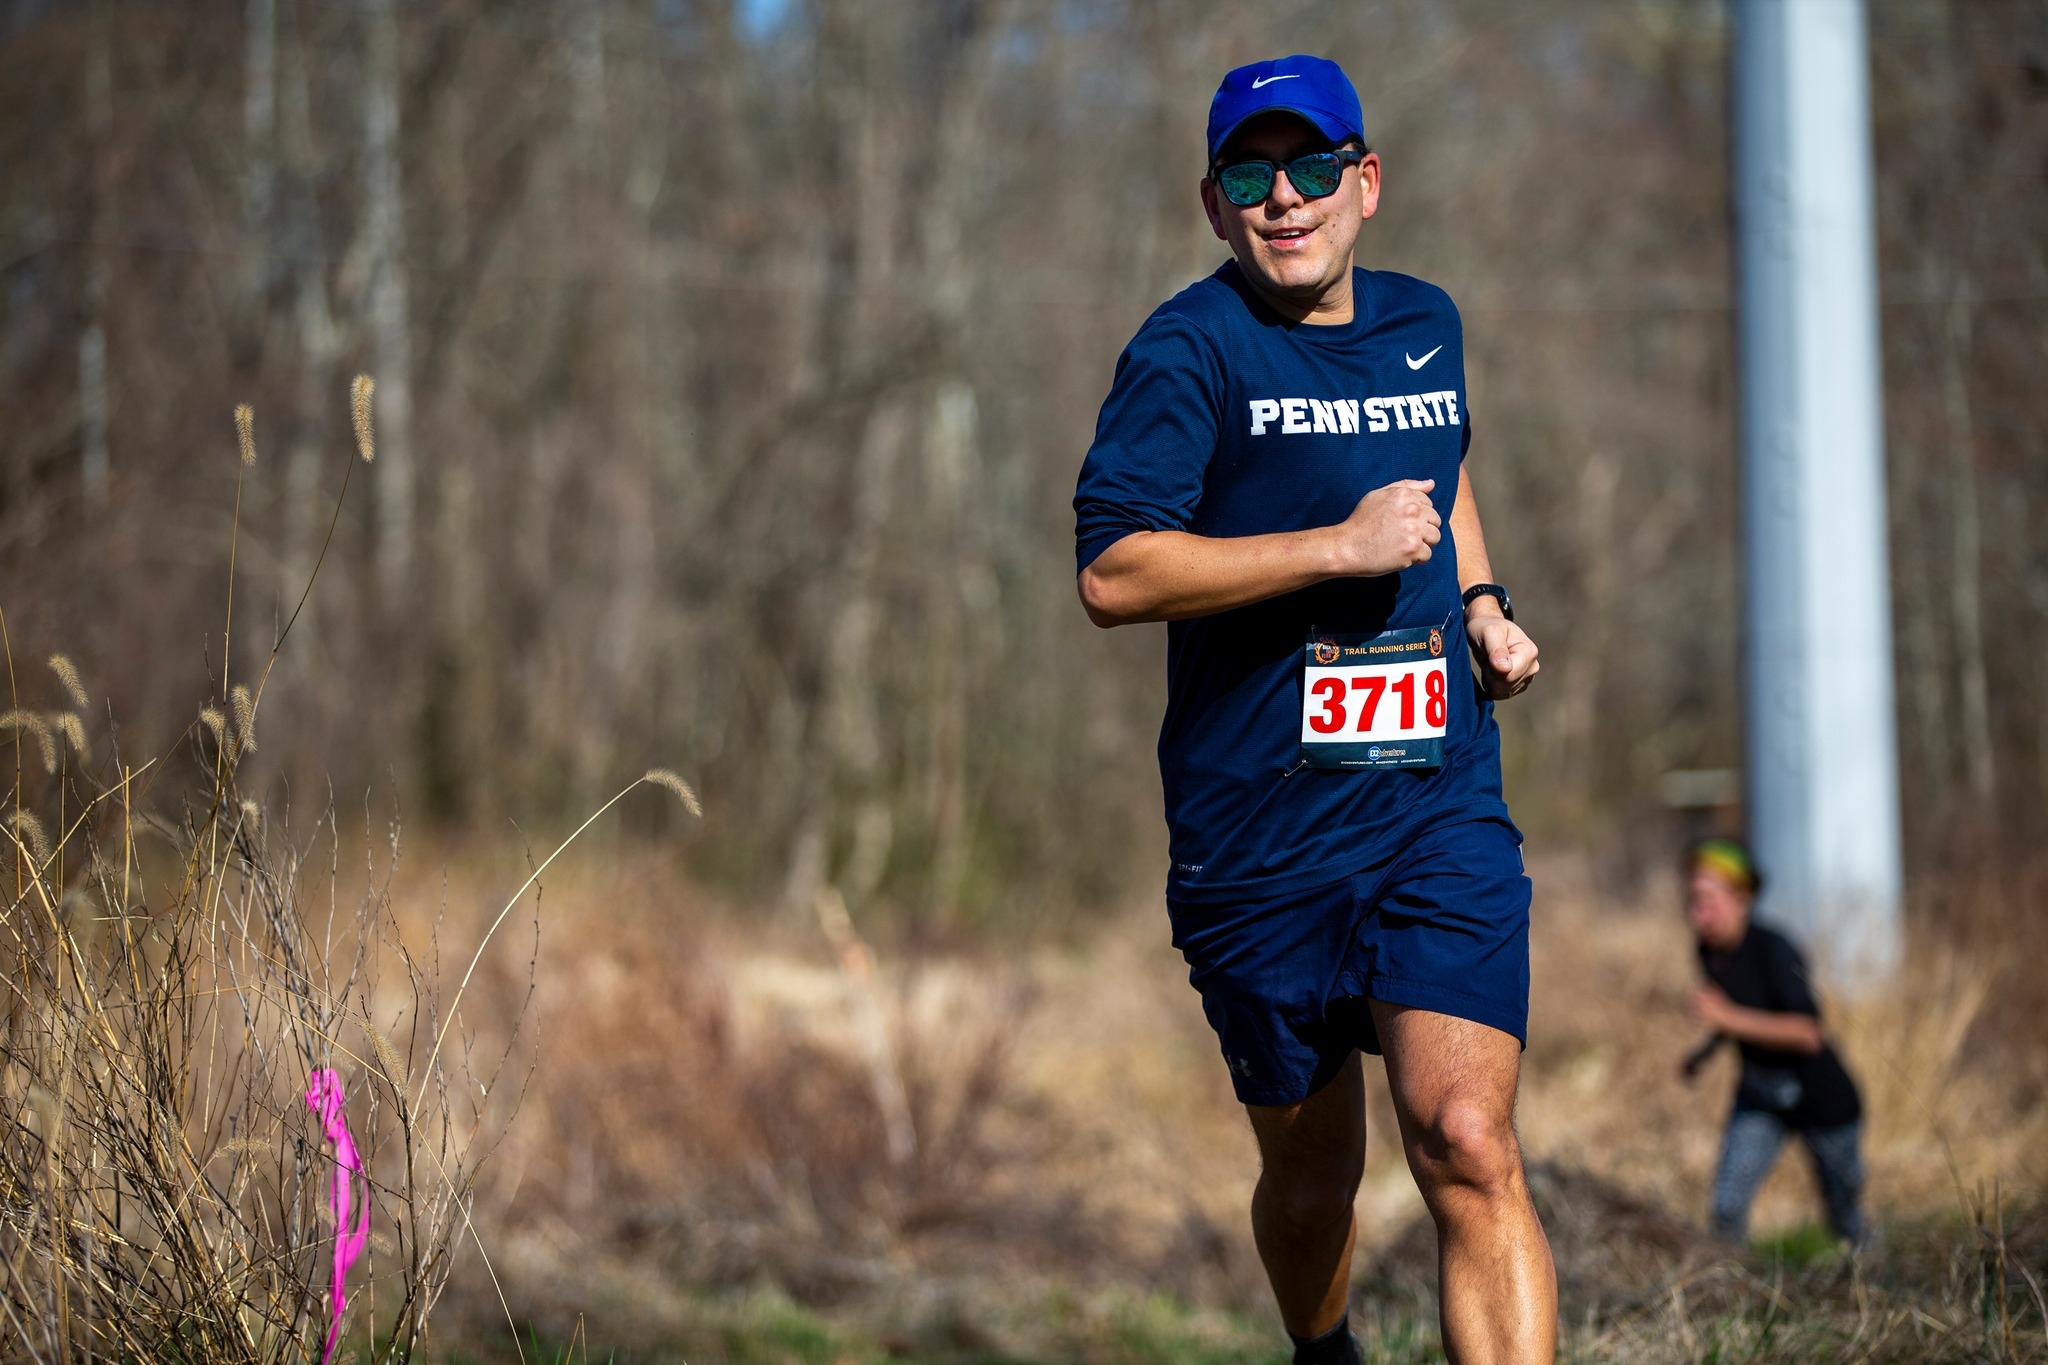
1292, 247
1717, 909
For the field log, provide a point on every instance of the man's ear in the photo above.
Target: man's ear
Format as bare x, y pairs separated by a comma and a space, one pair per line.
1213, 208
1369, 184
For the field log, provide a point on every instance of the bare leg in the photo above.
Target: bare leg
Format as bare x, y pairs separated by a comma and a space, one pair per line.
1454, 1091
1313, 1155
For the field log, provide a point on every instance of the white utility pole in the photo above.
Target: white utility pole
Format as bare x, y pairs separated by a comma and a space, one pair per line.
1822, 757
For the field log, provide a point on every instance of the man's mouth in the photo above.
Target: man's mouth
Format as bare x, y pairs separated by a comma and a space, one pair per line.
1289, 238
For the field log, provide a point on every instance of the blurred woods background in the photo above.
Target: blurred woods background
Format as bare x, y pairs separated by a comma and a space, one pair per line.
734, 364
734, 361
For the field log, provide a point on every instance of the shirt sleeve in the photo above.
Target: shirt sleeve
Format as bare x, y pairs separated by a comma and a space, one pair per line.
1153, 441
1465, 436
1790, 988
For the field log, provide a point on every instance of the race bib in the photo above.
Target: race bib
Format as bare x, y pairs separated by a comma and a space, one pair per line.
1375, 701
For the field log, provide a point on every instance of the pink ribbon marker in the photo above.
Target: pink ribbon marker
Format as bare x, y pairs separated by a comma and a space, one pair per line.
325, 1097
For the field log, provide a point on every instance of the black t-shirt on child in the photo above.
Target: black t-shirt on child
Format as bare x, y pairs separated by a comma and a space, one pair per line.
1806, 1090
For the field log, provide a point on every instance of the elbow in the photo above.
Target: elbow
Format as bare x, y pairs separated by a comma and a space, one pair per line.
1810, 1040
1101, 600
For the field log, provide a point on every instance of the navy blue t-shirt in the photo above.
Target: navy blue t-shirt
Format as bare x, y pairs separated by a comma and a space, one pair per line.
1806, 1090
1227, 420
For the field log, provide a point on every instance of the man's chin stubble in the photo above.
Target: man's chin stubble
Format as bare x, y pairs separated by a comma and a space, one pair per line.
1300, 281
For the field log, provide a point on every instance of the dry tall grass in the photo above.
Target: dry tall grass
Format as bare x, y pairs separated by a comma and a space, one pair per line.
704, 1147
175, 966
176, 962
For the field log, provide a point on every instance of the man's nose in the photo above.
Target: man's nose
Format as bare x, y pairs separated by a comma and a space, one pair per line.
1283, 194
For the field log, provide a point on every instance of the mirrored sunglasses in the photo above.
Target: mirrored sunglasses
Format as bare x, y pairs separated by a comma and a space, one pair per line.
1314, 176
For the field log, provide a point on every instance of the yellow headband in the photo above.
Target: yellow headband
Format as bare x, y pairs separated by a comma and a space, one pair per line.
1727, 861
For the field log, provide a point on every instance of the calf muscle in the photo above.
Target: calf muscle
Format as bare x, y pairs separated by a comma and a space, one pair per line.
1313, 1156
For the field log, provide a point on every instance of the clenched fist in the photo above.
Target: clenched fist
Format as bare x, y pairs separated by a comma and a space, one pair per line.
1506, 654
1391, 529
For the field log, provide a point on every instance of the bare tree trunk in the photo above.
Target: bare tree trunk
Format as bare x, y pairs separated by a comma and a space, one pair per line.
949, 460
389, 303
626, 488
2031, 534
1585, 668
851, 709
849, 735
845, 725
94, 460
312, 318
461, 710
1923, 636
653, 374
586, 77
2041, 701
93, 406
1967, 582
259, 127
952, 459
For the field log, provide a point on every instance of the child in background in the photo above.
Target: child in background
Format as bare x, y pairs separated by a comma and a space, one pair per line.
1758, 994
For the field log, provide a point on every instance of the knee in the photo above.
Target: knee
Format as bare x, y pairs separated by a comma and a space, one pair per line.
1468, 1148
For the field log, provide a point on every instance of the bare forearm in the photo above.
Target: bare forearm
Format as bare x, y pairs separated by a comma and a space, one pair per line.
1174, 575
1470, 537
1506, 654
1773, 1030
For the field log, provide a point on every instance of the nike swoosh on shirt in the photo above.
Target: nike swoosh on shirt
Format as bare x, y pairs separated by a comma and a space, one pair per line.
1270, 79
1415, 364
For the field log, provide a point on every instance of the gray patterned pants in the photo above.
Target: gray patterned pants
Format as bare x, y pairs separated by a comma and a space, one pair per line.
1749, 1148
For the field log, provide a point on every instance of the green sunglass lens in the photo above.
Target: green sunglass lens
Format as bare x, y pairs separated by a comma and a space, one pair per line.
1315, 175
1246, 183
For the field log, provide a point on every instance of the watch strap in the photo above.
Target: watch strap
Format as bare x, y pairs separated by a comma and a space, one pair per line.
1493, 590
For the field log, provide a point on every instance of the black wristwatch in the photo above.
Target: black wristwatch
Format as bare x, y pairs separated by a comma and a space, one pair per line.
1494, 590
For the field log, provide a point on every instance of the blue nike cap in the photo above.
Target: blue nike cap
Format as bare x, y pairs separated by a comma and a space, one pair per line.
1309, 87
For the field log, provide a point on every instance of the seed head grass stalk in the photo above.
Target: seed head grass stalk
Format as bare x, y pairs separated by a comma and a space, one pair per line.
168, 984
660, 777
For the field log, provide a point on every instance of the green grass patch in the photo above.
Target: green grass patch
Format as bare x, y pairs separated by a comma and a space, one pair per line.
1797, 1248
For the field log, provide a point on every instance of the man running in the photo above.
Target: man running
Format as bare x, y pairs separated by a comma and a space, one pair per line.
1278, 473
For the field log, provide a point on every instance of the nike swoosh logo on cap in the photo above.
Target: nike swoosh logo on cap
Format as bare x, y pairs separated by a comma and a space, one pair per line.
1415, 364
1290, 76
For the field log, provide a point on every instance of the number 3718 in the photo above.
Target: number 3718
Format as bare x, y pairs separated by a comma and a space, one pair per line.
1378, 702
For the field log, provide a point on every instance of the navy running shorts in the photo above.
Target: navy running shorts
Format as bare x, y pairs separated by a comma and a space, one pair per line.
1442, 925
